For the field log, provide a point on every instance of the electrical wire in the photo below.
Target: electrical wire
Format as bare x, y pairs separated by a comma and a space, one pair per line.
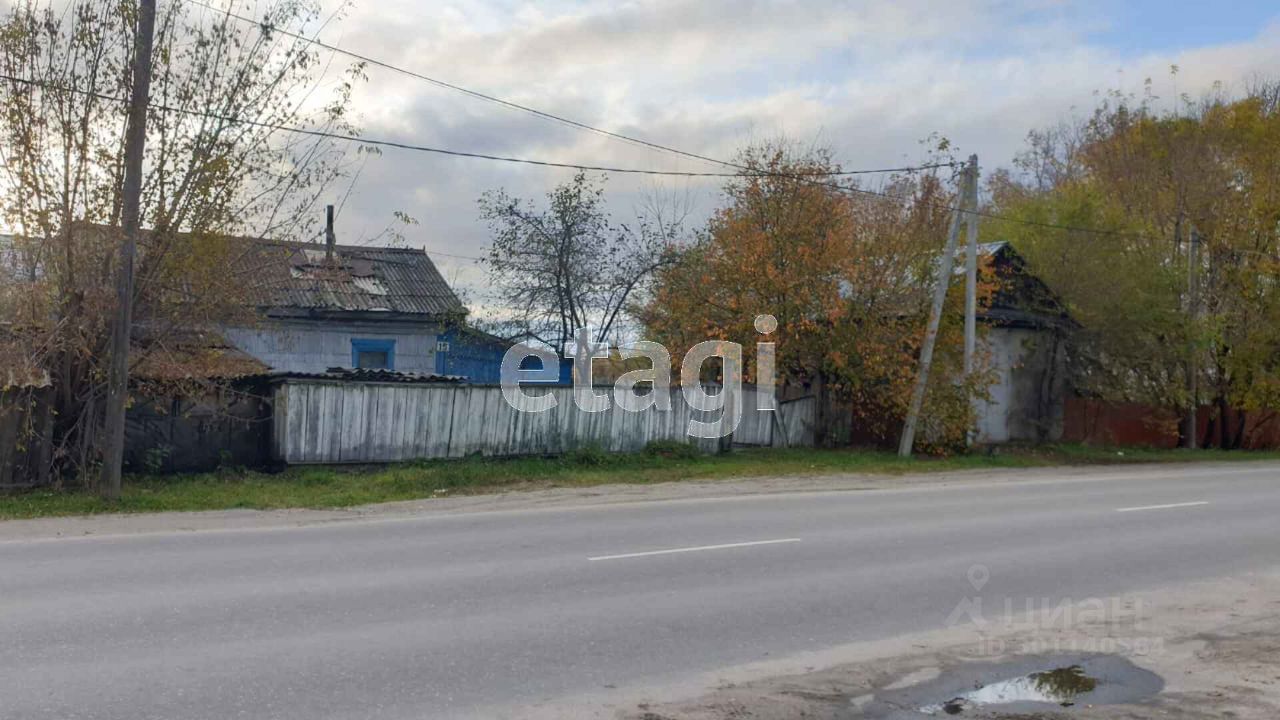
452, 255
440, 151
540, 113
594, 168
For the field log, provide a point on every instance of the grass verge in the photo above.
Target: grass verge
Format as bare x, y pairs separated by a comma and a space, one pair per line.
343, 486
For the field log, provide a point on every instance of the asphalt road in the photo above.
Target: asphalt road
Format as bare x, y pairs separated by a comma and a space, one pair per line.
480, 614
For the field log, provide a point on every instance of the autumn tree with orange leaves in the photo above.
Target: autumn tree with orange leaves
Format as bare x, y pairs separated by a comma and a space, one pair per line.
846, 274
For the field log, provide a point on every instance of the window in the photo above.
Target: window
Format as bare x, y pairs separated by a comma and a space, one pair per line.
373, 354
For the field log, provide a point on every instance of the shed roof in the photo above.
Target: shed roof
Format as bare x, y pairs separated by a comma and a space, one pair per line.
1022, 299
298, 276
190, 354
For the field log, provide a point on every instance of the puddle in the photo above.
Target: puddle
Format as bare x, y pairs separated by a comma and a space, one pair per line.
1024, 685
1060, 685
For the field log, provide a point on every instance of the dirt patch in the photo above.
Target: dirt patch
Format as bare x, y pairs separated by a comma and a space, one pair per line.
1214, 647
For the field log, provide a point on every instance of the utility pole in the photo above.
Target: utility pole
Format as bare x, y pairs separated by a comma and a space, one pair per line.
967, 192
134, 144
1193, 440
971, 282
971, 271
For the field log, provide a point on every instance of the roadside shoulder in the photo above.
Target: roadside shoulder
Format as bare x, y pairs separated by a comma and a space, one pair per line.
565, 498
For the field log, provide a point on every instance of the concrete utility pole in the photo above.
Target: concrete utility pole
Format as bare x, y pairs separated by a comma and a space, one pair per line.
1193, 440
971, 285
967, 191
971, 271
134, 144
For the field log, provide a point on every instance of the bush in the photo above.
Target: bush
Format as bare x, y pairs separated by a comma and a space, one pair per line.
672, 449
588, 455
155, 459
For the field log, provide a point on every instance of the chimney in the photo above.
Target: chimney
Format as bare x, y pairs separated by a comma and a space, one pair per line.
329, 238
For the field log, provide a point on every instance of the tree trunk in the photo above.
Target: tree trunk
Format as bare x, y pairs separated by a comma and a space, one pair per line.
822, 424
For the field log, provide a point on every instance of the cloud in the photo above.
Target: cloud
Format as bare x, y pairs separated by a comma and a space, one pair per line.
871, 79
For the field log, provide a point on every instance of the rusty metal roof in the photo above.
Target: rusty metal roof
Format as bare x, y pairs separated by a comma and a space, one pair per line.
190, 354
293, 275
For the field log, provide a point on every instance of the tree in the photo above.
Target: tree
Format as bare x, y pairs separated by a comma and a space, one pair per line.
568, 266
1176, 299
846, 274
216, 170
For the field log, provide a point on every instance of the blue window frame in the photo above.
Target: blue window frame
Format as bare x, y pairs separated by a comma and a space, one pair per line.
373, 354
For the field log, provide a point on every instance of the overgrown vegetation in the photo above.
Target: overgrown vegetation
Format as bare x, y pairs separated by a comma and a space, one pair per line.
846, 275
567, 267
334, 487
216, 168
1176, 298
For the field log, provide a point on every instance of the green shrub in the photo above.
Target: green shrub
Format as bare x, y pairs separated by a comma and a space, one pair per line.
672, 449
155, 459
587, 455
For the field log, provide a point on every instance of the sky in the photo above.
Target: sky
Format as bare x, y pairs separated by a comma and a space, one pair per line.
869, 79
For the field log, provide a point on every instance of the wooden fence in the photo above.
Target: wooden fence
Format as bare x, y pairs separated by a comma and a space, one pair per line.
224, 427
325, 421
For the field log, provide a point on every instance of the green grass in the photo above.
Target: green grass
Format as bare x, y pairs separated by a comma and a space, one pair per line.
331, 487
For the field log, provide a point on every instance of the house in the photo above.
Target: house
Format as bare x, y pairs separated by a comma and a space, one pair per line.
477, 355
1024, 339
343, 306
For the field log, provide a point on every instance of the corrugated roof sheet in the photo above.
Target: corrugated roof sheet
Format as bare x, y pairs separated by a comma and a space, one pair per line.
369, 375
366, 279
990, 249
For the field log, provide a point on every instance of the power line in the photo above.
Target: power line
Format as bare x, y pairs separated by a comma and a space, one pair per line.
1055, 226
452, 255
444, 151
534, 111
594, 168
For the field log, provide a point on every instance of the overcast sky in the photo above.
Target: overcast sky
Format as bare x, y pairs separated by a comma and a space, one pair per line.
870, 79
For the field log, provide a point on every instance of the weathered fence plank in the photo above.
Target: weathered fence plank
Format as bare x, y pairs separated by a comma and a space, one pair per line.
323, 421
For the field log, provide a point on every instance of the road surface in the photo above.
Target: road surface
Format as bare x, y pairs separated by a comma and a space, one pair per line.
482, 614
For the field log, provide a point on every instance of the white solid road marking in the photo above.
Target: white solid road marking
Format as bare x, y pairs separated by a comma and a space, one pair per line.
694, 549
1163, 507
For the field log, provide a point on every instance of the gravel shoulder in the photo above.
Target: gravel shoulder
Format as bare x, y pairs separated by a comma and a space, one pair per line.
575, 497
1215, 645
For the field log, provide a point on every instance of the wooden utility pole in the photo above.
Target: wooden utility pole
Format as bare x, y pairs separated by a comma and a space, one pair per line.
968, 188
131, 197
